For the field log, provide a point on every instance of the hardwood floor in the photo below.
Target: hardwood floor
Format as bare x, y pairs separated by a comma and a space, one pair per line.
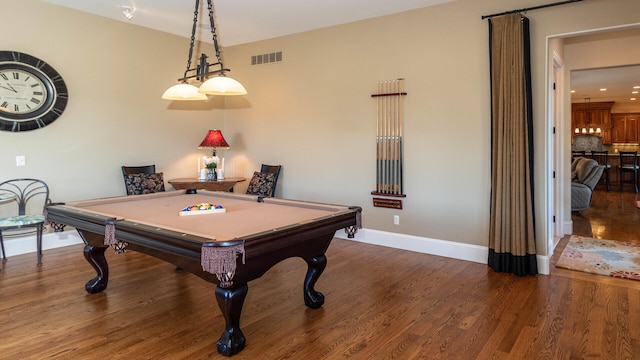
613, 216
381, 303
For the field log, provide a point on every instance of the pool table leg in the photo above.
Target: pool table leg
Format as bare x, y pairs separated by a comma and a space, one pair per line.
313, 298
230, 302
95, 257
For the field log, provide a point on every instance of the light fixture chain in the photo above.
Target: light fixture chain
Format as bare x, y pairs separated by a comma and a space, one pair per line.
213, 35
219, 85
193, 39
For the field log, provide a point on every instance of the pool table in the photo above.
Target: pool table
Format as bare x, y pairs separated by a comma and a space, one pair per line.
227, 248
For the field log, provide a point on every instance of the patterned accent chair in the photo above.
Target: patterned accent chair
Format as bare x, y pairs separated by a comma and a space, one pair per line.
264, 183
585, 174
142, 179
144, 169
30, 197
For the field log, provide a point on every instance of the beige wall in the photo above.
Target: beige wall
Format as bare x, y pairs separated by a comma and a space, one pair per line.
312, 113
115, 73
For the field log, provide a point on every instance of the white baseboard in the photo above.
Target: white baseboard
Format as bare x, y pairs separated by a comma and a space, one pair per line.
568, 227
450, 249
27, 244
544, 264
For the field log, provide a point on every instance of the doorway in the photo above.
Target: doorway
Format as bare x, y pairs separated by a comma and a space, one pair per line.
584, 50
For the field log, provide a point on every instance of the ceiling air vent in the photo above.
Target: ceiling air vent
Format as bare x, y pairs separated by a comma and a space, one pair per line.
266, 58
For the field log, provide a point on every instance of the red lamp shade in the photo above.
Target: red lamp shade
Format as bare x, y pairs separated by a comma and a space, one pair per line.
213, 140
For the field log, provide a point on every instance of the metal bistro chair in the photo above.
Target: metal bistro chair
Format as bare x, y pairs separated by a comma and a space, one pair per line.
35, 194
629, 163
602, 157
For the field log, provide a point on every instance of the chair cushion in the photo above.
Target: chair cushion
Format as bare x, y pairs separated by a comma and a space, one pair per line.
22, 220
138, 184
261, 183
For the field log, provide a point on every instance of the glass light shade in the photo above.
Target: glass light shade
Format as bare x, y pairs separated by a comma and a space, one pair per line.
591, 131
222, 85
183, 92
577, 131
598, 131
584, 130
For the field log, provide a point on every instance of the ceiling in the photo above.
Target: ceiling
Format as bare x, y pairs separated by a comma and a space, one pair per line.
619, 82
244, 21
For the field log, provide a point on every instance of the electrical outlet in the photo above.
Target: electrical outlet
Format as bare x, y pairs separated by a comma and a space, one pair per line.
21, 160
396, 219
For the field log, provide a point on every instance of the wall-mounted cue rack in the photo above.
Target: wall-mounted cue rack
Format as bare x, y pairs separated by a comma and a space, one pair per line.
389, 143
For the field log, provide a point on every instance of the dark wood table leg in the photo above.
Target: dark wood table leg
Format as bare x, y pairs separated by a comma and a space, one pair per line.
95, 257
313, 298
230, 301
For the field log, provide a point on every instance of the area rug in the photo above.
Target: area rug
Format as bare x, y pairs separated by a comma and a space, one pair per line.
620, 259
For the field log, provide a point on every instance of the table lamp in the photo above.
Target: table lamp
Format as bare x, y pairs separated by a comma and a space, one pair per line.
214, 140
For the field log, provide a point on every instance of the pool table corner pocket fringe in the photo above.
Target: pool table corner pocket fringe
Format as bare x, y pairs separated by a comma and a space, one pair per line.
221, 261
110, 237
110, 232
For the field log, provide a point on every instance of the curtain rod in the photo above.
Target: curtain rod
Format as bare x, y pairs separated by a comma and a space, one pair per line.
531, 8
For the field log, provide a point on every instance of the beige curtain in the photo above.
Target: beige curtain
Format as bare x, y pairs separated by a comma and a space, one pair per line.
511, 238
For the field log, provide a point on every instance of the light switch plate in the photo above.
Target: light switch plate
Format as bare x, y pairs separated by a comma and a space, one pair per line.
21, 160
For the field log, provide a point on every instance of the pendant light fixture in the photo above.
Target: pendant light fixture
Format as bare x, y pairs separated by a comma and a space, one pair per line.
217, 85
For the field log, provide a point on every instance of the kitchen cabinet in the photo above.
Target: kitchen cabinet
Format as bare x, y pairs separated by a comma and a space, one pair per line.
593, 116
625, 128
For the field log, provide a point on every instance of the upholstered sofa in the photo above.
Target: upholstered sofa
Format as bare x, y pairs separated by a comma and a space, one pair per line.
585, 174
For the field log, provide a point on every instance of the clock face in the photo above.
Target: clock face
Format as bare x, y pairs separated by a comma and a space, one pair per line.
21, 92
32, 93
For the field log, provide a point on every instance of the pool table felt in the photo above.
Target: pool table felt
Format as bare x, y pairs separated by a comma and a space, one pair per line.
244, 215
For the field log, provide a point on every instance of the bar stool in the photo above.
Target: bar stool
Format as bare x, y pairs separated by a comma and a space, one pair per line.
629, 163
602, 157
576, 153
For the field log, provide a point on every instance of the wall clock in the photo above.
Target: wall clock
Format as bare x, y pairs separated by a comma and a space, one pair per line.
32, 93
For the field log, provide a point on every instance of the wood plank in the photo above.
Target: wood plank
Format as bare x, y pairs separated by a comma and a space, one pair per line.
381, 303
